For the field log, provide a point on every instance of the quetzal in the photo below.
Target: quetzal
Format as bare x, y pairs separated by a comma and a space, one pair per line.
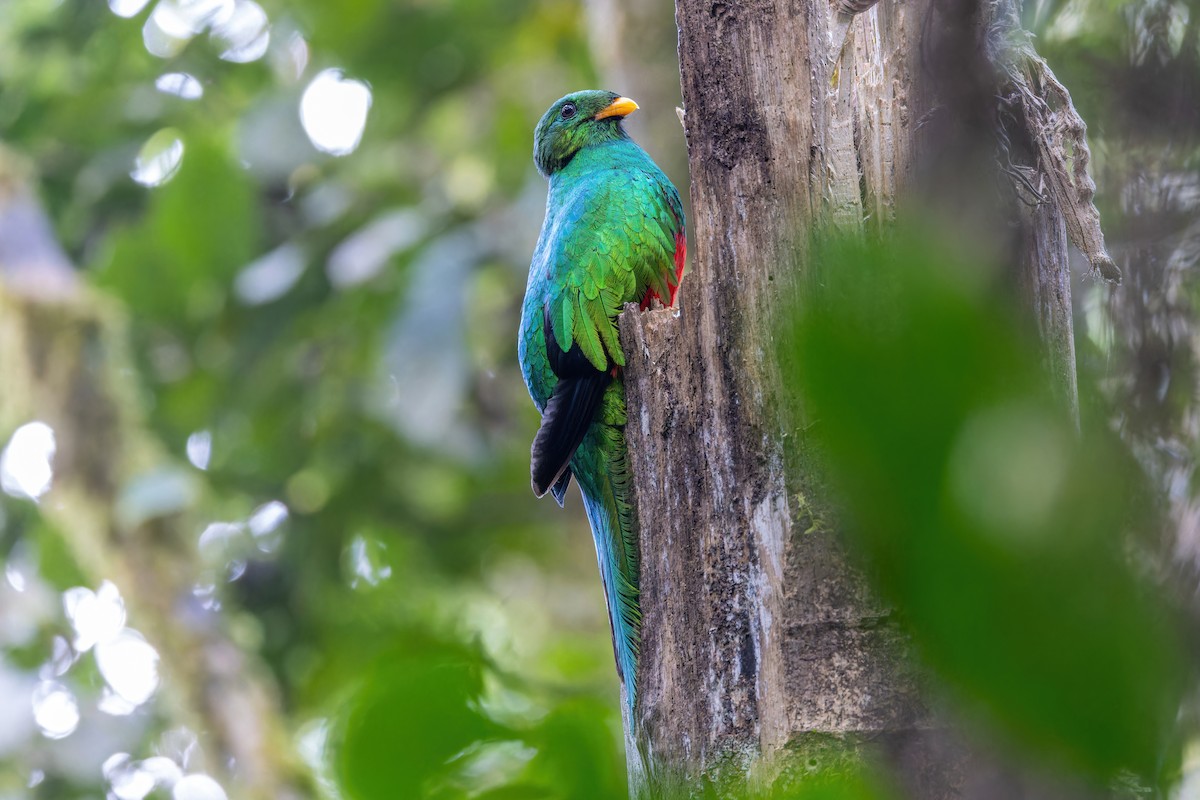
613, 234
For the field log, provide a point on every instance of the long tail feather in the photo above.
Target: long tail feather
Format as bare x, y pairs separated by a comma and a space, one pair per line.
601, 467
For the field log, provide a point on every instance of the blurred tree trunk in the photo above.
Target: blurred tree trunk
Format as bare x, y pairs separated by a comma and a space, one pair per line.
763, 653
1152, 319
633, 44
64, 361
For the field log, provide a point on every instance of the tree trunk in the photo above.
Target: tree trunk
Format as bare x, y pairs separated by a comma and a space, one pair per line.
763, 652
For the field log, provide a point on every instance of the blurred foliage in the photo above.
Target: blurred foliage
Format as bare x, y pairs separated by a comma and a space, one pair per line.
1131, 67
996, 530
337, 334
1134, 73
415, 594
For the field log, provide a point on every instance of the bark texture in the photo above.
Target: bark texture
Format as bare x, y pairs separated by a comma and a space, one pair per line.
763, 651
759, 637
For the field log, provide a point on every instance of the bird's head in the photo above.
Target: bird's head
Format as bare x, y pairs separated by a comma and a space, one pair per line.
576, 121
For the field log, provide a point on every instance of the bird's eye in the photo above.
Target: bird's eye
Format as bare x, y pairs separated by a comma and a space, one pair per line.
568, 110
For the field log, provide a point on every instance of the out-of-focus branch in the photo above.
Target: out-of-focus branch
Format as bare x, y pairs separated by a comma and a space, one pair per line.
32, 263
1060, 136
64, 361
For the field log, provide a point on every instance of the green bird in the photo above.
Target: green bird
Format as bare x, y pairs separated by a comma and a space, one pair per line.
613, 234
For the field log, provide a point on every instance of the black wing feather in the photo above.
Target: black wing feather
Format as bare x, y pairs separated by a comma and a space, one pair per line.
569, 363
567, 415
565, 420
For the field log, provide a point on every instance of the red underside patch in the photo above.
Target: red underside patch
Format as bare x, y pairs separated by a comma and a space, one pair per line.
672, 284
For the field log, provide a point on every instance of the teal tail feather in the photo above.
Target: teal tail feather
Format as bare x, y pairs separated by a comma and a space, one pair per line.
601, 466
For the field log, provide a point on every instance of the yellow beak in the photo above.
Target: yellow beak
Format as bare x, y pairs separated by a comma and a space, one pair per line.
620, 107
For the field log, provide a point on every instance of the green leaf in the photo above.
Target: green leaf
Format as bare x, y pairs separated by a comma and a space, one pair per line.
575, 757
993, 526
415, 711
200, 231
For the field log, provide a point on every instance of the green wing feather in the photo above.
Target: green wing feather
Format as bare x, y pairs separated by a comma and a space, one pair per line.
615, 248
